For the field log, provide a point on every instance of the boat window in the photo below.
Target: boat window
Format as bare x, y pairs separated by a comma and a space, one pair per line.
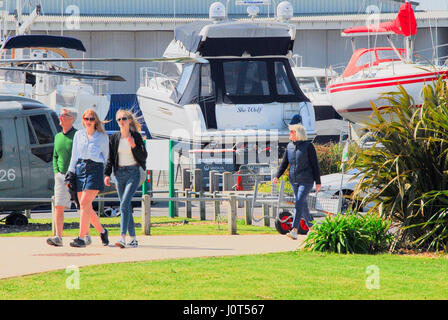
284, 87
246, 78
13, 76
42, 128
168, 69
387, 55
307, 84
206, 81
367, 58
184, 78
322, 83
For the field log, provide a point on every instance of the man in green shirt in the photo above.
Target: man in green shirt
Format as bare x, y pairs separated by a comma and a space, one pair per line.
63, 142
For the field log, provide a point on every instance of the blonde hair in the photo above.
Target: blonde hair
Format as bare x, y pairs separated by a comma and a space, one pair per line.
300, 131
98, 123
135, 121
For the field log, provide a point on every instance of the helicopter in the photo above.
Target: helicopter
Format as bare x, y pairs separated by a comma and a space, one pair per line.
27, 129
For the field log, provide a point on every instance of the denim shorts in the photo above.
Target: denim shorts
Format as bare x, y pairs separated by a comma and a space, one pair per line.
89, 175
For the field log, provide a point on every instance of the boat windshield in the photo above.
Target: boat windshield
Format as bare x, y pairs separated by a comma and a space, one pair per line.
365, 58
238, 81
312, 84
255, 81
246, 78
184, 78
307, 84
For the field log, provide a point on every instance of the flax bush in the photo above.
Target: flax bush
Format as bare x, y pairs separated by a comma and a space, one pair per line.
407, 177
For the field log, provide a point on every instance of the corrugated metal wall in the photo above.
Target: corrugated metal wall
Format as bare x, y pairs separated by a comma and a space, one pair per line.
319, 48
201, 7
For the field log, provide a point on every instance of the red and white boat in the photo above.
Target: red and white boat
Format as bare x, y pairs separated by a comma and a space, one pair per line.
375, 71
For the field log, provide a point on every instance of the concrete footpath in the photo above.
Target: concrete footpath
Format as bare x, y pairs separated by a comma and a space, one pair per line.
28, 255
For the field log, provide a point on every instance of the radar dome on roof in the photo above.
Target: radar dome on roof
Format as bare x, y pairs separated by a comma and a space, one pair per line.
285, 11
217, 11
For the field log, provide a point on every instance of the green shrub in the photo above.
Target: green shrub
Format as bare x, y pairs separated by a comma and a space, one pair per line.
329, 156
408, 175
350, 233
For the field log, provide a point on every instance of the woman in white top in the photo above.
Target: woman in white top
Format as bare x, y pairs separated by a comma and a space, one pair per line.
127, 154
89, 154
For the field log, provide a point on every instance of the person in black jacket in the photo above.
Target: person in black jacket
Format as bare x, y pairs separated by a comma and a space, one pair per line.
127, 152
301, 157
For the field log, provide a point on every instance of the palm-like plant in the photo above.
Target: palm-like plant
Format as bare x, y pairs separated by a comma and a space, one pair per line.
407, 176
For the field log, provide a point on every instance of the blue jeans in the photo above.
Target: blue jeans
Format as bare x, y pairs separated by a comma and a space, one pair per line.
127, 183
301, 192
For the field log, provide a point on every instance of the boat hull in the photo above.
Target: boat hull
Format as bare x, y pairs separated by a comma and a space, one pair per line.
352, 99
263, 124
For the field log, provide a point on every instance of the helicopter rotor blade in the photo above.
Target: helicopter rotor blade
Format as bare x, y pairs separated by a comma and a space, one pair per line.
174, 60
78, 75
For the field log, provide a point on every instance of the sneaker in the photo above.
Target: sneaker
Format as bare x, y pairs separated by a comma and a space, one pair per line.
78, 243
121, 244
105, 237
133, 243
55, 241
292, 235
88, 240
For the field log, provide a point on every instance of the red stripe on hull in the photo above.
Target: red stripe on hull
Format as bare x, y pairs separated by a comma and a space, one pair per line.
388, 79
383, 85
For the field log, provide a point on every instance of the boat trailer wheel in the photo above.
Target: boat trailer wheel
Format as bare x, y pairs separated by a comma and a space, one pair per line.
283, 223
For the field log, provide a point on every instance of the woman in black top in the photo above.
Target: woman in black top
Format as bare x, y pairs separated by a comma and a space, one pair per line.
301, 157
127, 152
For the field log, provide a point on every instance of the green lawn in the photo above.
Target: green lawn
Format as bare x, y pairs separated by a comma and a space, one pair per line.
161, 226
285, 276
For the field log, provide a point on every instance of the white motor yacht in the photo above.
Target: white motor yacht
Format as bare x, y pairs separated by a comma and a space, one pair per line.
330, 126
241, 88
42, 81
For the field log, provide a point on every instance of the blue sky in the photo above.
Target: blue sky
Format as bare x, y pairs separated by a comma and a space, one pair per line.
433, 4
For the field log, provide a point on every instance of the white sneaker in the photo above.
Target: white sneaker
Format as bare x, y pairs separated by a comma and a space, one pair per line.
292, 235
121, 244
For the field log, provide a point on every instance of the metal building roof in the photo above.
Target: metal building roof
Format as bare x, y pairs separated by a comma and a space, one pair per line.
199, 8
140, 23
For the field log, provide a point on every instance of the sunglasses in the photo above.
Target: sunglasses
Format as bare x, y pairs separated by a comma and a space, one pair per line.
89, 119
62, 115
124, 119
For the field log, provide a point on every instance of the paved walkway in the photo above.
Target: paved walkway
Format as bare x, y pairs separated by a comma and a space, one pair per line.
28, 255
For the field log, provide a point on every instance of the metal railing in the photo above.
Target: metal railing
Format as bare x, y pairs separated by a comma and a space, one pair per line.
151, 75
